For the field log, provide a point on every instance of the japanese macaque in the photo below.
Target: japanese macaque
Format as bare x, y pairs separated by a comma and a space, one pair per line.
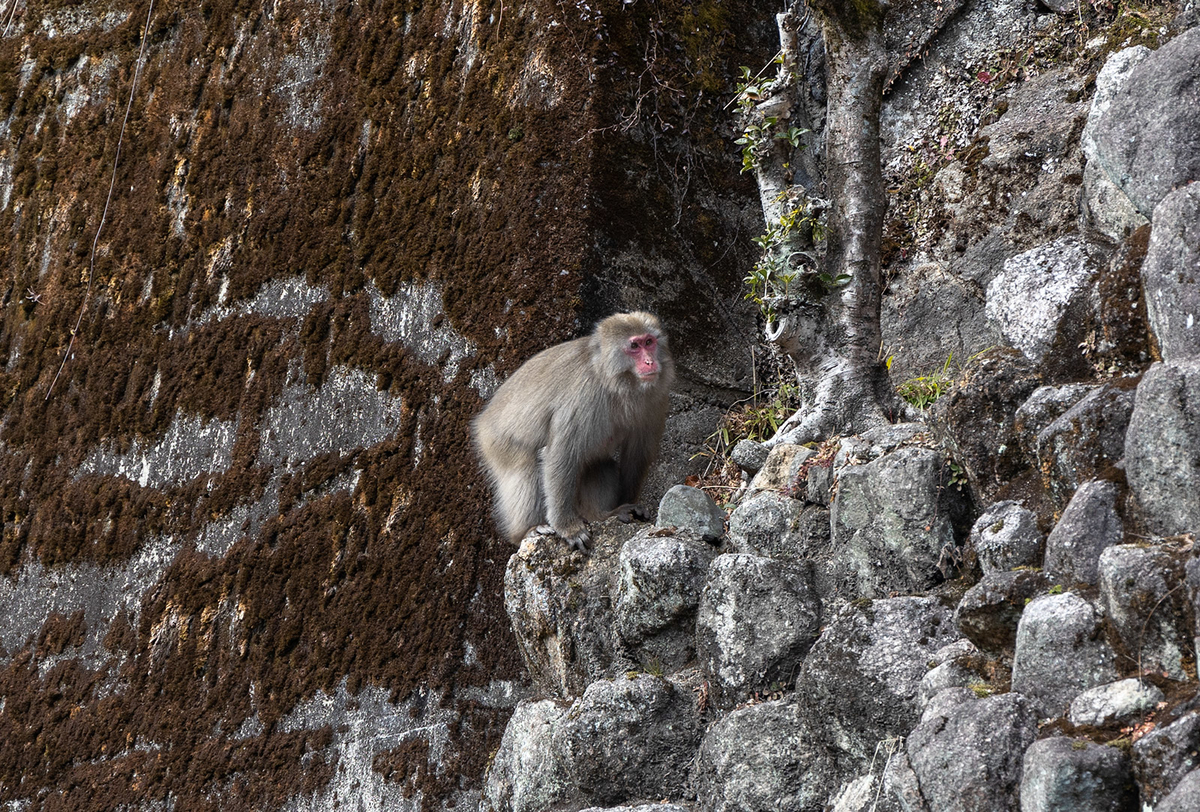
568, 438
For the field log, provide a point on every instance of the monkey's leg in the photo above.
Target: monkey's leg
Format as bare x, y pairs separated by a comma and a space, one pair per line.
518, 498
560, 485
598, 490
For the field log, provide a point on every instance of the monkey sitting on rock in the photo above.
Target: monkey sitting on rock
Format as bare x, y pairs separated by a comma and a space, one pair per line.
569, 437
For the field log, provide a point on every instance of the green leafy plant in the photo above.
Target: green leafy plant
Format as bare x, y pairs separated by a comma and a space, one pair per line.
773, 276
921, 392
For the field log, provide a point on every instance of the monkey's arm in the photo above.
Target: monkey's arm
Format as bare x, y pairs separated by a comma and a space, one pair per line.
560, 484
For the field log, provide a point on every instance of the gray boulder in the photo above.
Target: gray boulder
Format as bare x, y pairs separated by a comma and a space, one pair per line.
761, 758
1142, 142
860, 684
1060, 652
1162, 448
1165, 755
628, 738
525, 775
1106, 208
1141, 591
969, 760
781, 470
749, 455
757, 619
989, 612
1086, 441
1086, 528
654, 807
975, 421
1044, 406
1042, 302
779, 526
1116, 703
559, 603
1005, 537
1061, 773
1185, 797
658, 585
1171, 274
891, 525
691, 509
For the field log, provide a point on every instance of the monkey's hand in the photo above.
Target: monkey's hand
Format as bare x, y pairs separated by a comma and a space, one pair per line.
628, 512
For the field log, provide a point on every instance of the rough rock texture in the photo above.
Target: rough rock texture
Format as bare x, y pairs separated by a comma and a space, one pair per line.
628, 738
1115, 703
1005, 537
1106, 207
1076, 774
1043, 302
969, 760
860, 683
1142, 593
780, 471
1185, 797
892, 525
990, 610
560, 607
526, 774
1141, 141
1165, 755
1045, 405
773, 524
1171, 273
757, 619
977, 419
749, 455
1162, 448
1087, 440
691, 509
761, 758
655, 597
1058, 629
1087, 527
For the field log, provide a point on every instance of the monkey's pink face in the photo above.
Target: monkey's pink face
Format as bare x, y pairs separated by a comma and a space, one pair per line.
643, 352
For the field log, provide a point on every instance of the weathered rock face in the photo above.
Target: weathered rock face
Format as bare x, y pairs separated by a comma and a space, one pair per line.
1063, 773
977, 420
861, 682
1139, 141
234, 473
1171, 274
759, 759
1057, 629
757, 619
1088, 526
1162, 448
969, 759
892, 524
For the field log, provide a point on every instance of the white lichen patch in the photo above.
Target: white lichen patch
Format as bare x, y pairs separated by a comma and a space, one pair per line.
100, 592
345, 413
190, 447
78, 20
408, 317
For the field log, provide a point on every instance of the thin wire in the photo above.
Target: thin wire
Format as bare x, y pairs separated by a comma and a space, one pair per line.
11, 11
137, 68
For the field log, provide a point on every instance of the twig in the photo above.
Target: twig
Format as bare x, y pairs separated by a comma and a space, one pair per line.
137, 67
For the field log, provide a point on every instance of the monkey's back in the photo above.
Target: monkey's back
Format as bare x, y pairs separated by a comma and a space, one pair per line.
521, 411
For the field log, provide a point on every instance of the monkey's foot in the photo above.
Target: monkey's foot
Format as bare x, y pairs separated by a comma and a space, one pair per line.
628, 512
579, 540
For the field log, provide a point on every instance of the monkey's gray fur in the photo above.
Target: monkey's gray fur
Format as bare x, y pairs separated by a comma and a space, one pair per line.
569, 437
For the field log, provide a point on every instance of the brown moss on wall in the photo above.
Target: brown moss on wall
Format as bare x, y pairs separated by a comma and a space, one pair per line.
478, 148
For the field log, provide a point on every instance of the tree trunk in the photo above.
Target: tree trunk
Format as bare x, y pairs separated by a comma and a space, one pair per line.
834, 336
